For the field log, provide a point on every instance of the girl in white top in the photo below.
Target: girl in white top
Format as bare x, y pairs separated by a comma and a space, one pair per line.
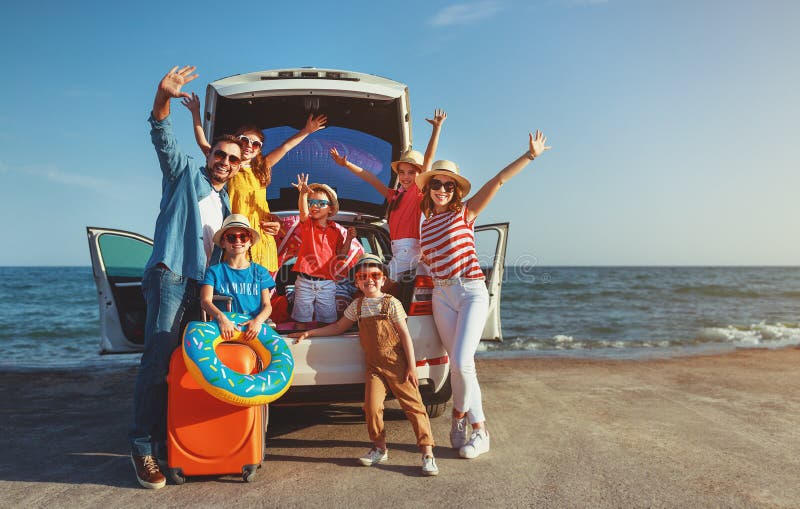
460, 297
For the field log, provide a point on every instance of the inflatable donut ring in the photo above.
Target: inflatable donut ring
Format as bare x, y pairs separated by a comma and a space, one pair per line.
200, 340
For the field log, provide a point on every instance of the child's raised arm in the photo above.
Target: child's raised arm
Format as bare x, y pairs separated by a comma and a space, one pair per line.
193, 104
344, 247
333, 329
313, 124
438, 119
360, 172
482, 198
302, 197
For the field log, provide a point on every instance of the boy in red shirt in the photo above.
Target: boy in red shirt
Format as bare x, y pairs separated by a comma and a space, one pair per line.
323, 242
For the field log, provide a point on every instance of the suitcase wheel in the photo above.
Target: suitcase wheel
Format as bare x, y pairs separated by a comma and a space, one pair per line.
177, 475
249, 473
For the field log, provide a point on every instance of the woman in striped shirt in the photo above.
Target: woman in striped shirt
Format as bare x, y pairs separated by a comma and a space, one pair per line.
460, 297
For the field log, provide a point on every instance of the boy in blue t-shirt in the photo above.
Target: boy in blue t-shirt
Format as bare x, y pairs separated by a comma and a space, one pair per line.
247, 283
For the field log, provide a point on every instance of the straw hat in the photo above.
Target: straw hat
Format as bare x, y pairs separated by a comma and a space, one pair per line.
411, 157
370, 260
324, 188
447, 169
236, 221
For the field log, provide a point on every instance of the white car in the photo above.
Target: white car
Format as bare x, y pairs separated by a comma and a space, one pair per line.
369, 119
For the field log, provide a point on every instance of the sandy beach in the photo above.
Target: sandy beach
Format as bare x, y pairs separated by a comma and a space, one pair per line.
708, 431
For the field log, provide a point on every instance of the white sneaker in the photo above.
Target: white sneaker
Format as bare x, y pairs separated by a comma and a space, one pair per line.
458, 432
429, 467
374, 456
477, 445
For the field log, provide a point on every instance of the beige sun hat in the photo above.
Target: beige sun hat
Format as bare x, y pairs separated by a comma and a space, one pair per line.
236, 221
324, 188
411, 157
445, 168
370, 260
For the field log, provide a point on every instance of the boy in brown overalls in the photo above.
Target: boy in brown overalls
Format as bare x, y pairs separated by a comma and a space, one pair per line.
389, 355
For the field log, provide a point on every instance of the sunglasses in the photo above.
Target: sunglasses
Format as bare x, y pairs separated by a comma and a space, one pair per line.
241, 237
318, 203
438, 184
220, 155
375, 275
250, 141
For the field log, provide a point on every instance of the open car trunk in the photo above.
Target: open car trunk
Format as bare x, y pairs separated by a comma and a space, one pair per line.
368, 122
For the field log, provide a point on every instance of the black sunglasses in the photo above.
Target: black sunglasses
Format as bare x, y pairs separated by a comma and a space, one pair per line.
438, 184
220, 155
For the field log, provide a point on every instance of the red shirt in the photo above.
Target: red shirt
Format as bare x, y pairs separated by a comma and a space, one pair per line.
405, 219
447, 244
317, 254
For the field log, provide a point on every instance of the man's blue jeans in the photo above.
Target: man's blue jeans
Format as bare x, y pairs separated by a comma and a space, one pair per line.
170, 300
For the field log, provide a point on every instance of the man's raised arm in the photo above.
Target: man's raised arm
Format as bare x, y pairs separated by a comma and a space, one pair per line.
170, 87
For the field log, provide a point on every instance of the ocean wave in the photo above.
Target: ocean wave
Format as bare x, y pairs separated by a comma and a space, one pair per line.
762, 334
565, 342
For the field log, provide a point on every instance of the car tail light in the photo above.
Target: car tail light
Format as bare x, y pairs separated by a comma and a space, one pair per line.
421, 299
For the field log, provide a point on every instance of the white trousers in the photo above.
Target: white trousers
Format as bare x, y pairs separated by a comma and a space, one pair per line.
405, 256
460, 312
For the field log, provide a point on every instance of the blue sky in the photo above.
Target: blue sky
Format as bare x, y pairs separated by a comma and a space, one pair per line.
672, 122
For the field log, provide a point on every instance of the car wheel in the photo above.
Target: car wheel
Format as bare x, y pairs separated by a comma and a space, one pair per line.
436, 403
435, 409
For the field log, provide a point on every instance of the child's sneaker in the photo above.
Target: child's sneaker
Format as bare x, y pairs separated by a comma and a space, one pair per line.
477, 445
458, 432
429, 467
374, 456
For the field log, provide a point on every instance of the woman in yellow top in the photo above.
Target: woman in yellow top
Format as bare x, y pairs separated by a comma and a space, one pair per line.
248, 188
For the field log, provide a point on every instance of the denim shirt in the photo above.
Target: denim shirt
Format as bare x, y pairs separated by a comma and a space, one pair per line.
178, 238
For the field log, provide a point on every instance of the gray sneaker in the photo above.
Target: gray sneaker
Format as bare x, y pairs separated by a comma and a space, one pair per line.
374, 456
429, 467
477, 445
458, 432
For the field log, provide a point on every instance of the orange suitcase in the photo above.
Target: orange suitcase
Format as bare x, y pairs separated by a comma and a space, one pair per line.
206, 436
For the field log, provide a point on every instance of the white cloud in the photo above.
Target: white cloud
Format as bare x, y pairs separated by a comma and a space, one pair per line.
466, 13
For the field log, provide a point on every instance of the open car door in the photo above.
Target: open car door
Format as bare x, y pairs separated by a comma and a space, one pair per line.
118, 261
490, 241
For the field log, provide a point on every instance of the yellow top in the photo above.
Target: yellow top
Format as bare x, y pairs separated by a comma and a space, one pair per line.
249, 198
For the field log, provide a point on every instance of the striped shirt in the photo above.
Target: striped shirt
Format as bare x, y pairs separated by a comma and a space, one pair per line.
447, 242
372, 307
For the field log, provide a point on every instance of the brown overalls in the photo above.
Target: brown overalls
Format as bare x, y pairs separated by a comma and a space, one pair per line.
386, 368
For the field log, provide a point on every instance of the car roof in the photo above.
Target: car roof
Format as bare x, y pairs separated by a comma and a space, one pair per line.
291, 81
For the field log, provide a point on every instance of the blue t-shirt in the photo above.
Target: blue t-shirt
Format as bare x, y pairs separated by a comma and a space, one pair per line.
243, 285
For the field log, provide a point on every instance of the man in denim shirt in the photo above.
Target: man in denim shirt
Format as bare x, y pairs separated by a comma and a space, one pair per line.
193, 204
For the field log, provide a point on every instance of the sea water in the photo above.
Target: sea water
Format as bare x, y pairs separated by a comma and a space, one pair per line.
49, 316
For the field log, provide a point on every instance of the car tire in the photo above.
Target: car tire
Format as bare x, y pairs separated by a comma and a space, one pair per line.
436, 403
435, 409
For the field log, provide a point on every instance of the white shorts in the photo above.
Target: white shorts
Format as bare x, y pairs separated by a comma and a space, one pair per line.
314, 300
405, 257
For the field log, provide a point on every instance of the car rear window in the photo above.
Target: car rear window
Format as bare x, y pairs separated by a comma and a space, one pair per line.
312, 156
